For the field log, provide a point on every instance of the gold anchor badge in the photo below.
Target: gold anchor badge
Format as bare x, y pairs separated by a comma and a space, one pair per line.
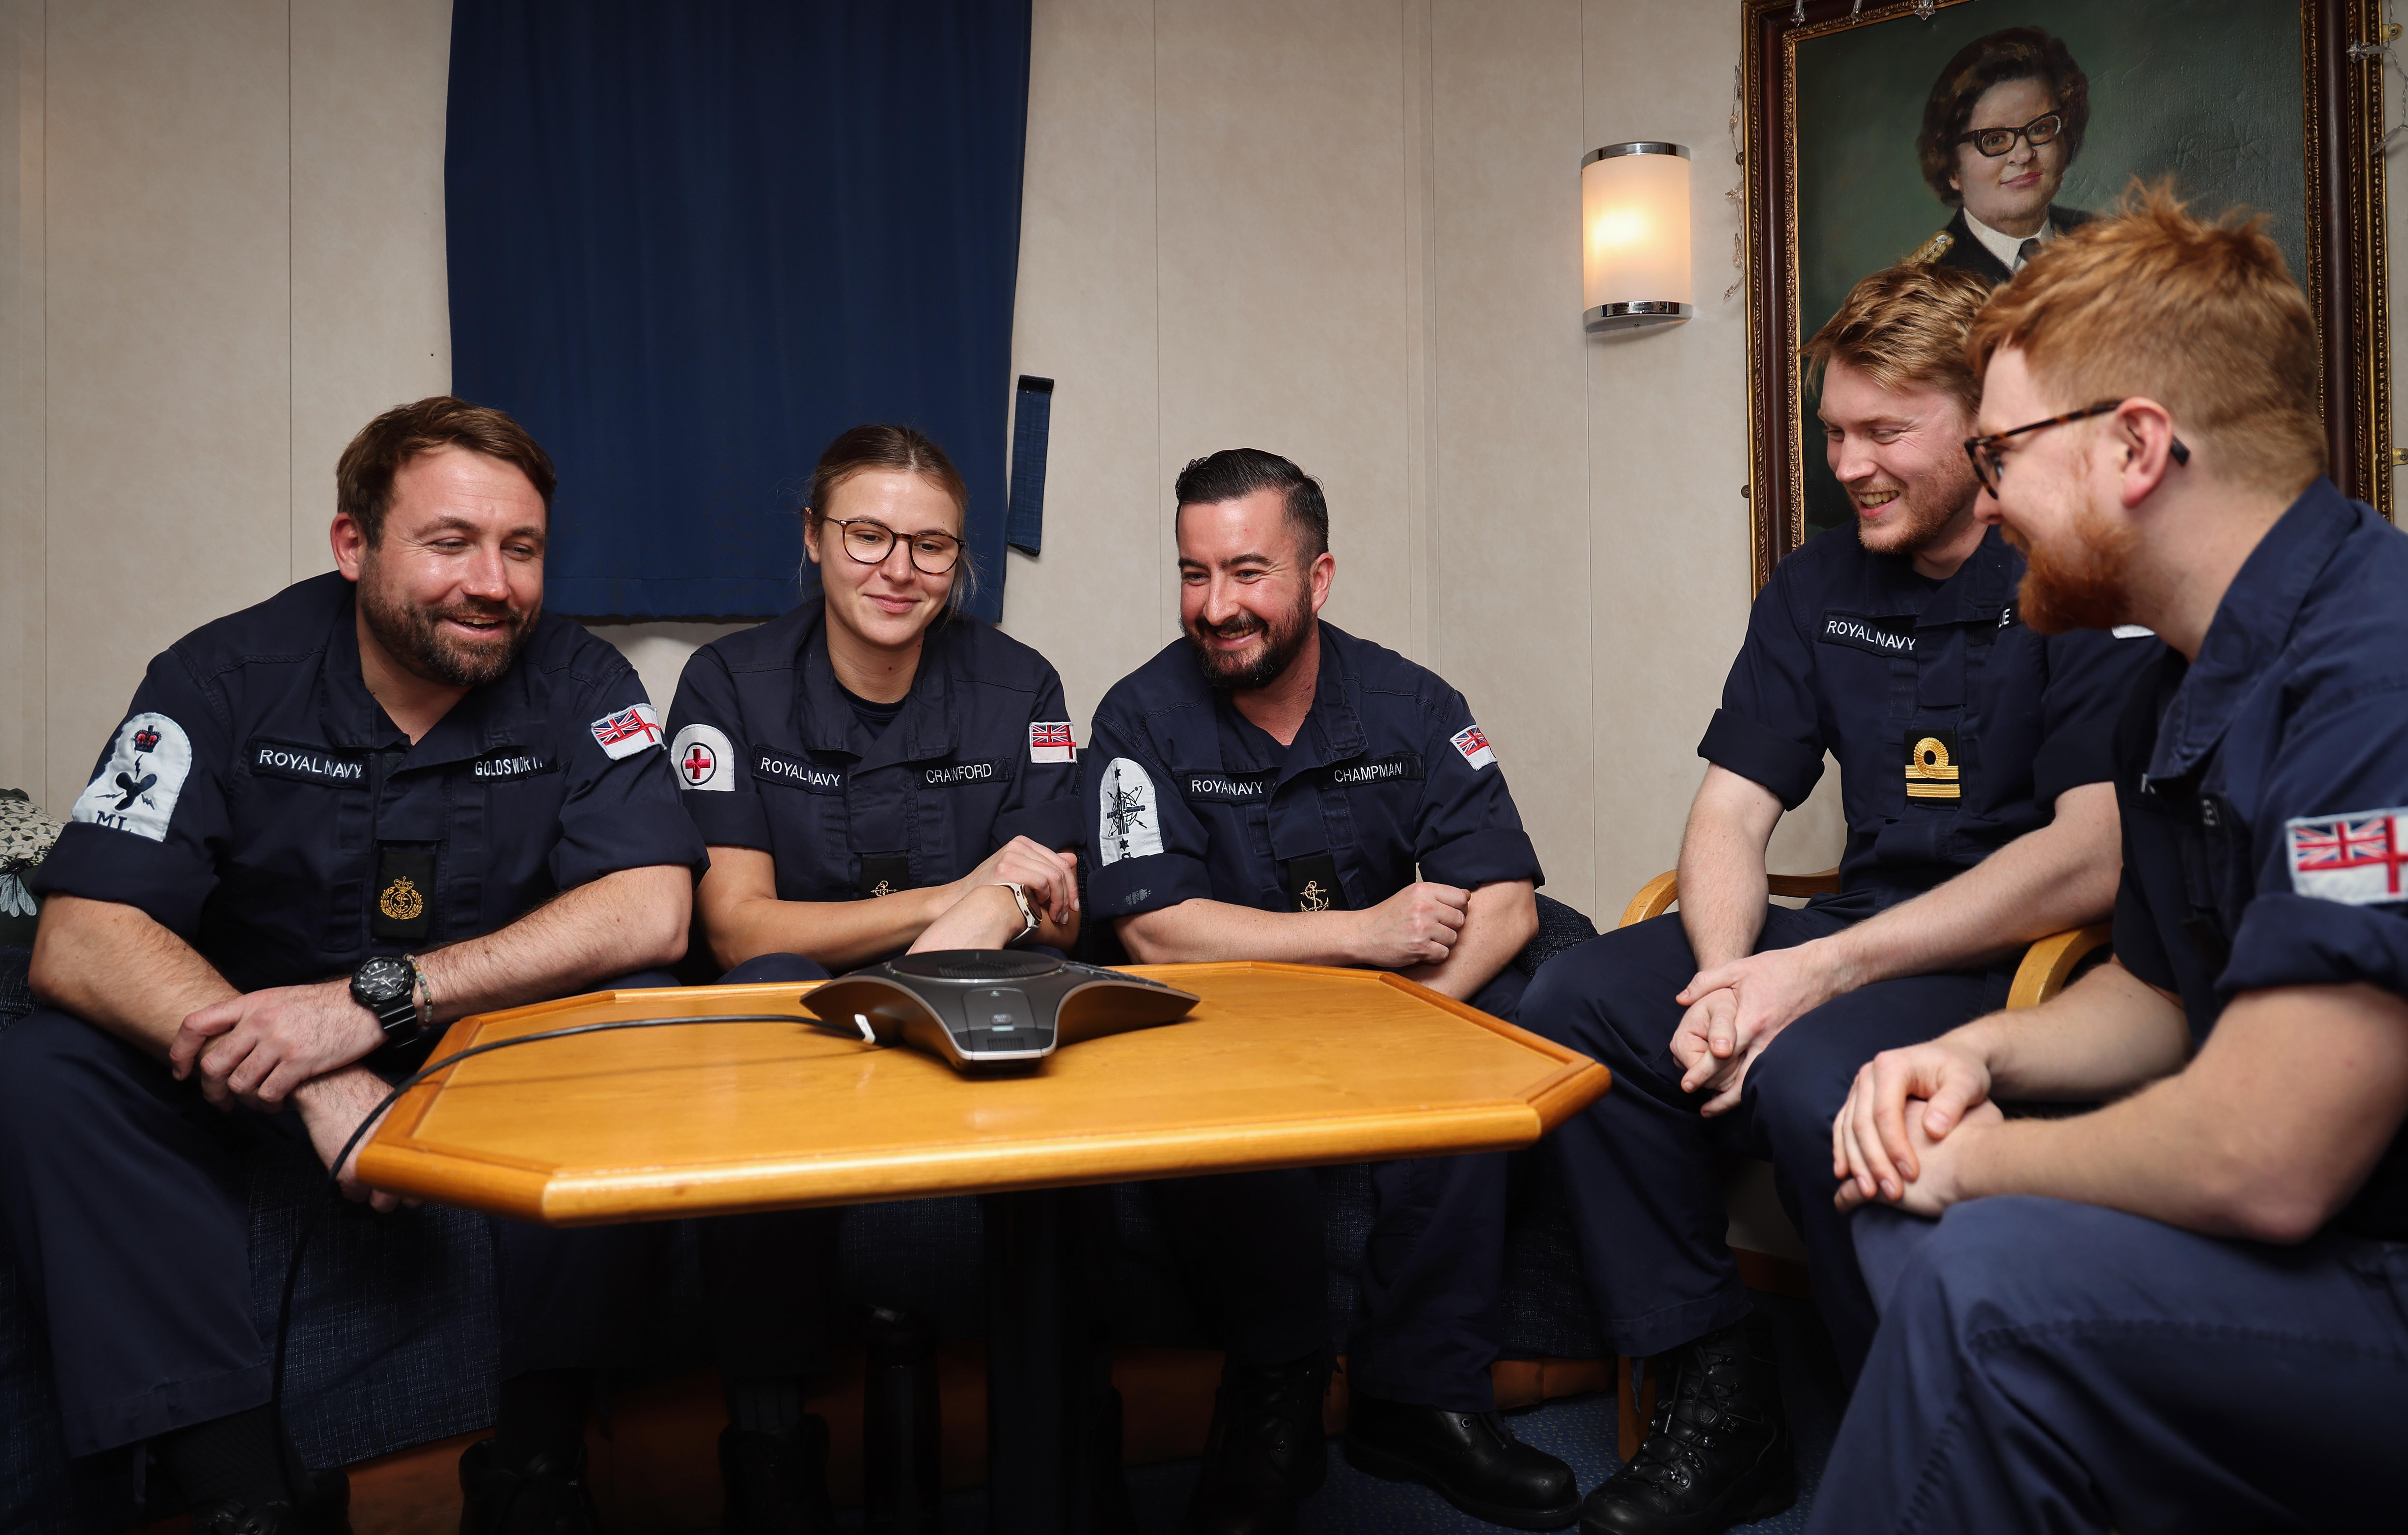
400, 900
1931, 772
1313, 898
880, 888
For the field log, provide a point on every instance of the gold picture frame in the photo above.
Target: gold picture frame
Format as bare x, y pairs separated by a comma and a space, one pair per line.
2342, 220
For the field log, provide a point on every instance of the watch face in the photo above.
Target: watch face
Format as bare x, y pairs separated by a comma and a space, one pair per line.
381, 980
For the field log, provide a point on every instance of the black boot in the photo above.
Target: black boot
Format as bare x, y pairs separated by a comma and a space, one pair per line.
777, 1483
325, 1510
547, 1496
1266, 1452
1718, 1452
1471, 1459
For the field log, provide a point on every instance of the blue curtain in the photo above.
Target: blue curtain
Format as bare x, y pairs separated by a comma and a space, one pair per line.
692, 240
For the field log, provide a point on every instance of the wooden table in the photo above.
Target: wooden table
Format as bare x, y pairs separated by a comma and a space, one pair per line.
1279, 1065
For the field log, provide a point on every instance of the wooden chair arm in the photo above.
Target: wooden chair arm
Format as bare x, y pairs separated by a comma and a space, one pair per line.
2048, 962
1658, 894
1654, 899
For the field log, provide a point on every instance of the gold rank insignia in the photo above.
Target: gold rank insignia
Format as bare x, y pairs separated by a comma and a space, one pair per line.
1931, 767
880, 888
400, 900
1936, 247
1312, 897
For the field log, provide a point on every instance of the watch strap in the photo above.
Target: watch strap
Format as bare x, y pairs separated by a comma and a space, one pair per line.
1028, 912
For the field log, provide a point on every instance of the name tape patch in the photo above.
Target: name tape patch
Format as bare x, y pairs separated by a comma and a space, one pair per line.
1871, 635
1050, 740
705, 760
953, 774
1227, 788
1404, 765
2353, 859
138, 782
1129, 819
505, 767
1473, 744
778, 768
630, 730
308, 764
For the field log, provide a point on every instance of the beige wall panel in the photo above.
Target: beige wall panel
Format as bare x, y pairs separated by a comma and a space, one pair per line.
25, 704
371, 321
1511, 461
1085, 319
168, 378
1668, 448
1281, 154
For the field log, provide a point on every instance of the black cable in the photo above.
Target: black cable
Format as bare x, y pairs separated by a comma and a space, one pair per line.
335, 1175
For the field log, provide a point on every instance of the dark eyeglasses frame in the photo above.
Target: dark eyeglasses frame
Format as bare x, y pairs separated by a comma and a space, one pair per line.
1976, 136
1990, 464
910, 543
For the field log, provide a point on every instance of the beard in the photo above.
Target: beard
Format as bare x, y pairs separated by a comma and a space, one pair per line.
2081, 580
1922, 512
414, 635
1282, 640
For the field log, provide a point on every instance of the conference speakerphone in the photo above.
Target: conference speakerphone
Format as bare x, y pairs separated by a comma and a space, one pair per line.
991, 1010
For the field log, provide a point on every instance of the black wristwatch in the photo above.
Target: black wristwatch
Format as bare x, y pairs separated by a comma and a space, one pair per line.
387, 985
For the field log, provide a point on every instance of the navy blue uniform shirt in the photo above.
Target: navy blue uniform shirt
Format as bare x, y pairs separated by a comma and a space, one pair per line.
2264, 791
1955, 724
772, 756
1191, 799
257, 803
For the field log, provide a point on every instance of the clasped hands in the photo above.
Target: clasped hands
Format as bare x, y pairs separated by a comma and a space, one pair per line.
1904, 1134
290, 1044
1736, 1009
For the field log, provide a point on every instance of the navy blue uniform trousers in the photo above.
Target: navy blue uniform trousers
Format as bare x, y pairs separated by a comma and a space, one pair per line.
125, 1209
1640, 1164
1426, 1330
2044, 1365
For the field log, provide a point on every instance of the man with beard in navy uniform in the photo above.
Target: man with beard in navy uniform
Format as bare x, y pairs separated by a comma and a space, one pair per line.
387, 798
1272, 787
2187, 1309
1973, 766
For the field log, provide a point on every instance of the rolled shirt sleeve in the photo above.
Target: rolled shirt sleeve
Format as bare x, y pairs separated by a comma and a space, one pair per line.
620, 811
1470, 832
1043, 803
147, 830
1768, 729
2308, 924
707, 730
1148, 849
2092, 676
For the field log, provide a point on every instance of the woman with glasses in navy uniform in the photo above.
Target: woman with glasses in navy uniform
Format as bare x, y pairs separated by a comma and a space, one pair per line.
874, 772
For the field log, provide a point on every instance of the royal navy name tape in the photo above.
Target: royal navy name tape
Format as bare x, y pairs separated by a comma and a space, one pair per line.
309, 764
1864, 633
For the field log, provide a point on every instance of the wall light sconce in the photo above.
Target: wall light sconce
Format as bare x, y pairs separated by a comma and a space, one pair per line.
1635, 235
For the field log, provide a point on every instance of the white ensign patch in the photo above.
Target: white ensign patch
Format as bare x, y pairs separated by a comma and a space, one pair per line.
1474, 747
705, 760
1049, 741
2353, 859
629, 731
1130, 825
136, 787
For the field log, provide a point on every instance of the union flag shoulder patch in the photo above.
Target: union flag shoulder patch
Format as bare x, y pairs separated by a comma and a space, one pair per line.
1049, 741
628, 731
1473, 744
2353, 859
